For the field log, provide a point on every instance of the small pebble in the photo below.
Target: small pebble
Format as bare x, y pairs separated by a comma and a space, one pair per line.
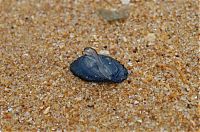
130, 63
114, 14
125, 2
124, 39
151, 37
46, 111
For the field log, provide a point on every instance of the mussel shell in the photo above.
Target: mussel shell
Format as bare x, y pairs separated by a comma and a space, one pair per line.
79, 68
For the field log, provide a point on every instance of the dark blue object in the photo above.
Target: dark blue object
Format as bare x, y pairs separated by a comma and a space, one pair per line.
98, 68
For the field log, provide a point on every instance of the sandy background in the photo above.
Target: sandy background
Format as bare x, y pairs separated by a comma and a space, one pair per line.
158, 44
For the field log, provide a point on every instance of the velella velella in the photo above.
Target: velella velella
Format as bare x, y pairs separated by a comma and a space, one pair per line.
95, 67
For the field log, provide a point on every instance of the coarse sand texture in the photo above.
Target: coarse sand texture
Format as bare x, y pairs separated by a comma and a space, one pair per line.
157, 43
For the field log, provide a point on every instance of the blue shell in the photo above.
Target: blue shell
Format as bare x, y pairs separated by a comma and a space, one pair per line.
100, 69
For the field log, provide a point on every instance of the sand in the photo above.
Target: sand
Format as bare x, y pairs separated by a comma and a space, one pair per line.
158, 43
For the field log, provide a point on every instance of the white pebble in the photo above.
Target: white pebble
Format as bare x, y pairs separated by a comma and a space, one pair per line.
151, 37
46, 110
10, 109
124, 39
125, 2
130, 63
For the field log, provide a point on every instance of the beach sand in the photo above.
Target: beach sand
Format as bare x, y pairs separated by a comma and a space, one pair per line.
157, 43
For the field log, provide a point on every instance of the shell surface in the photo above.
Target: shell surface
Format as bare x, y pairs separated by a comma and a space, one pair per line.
98, 68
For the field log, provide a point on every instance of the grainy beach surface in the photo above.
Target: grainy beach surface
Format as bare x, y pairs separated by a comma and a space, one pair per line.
157, 43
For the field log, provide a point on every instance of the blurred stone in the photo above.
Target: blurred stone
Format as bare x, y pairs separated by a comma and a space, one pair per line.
125, 2
114, 14
151, 37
